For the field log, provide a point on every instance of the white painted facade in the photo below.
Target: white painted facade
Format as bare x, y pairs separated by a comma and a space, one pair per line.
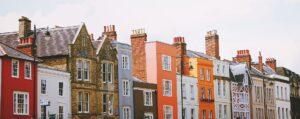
222, 89
53, 78
190, 94
282, 94
221, 68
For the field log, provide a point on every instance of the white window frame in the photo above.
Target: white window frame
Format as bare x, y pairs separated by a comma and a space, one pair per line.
149, 114
86, 102
166, 65
60, 114
86, 69
25, 70
110, 105
126, 87
12, 68
79, 68
165, 93
125, 62
167, 113
105, 65
25, 105
126, 112
150, 103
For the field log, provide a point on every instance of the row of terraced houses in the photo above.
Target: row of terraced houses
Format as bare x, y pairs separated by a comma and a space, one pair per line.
64, 72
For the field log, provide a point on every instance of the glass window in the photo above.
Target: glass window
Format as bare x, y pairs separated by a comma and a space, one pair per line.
219, 87
209, 94
203, 93
107, 72
168, 112
148, 115
166, 62
208, 74
110, 104
192, 114
126, 88
86, 102
148, 98
27, 70
201, 72
125, 63
21, 103
126, 113
61, 88
192, 92
60, 112
167, 87
203, 114
79, 69
86, 70
183, 91
224, 88
15, 68
104, 102
80, 102
43, 86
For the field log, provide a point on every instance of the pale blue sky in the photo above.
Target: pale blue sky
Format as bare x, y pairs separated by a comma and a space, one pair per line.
270, 26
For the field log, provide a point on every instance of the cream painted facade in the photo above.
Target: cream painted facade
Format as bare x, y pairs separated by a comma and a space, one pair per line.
222, 89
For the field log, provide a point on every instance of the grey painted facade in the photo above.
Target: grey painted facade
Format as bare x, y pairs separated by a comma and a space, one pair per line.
124, 74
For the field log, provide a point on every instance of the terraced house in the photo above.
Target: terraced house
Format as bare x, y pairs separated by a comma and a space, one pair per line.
71, 49
294, 80
221, 76
126, 106
107, 75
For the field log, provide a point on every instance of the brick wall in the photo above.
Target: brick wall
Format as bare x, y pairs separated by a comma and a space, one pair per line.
212, 44
138, 41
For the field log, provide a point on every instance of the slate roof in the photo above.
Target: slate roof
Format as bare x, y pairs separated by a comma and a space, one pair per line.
5, 50
97, 44
195, 54
56, 43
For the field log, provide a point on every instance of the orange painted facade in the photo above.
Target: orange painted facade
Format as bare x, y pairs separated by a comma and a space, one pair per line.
156, 74
203, 69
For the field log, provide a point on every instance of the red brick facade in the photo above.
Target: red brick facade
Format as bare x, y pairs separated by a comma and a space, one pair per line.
180, 45
271, 62
243, 56
110, 31
212, 44
138, 41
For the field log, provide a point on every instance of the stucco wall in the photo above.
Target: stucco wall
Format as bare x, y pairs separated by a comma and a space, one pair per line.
53, 77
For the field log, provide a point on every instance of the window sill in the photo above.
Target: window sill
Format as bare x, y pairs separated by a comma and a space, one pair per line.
26, 114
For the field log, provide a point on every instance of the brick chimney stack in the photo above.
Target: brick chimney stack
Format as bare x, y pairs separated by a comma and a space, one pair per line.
110, 32
243, 56
180, 45
212, 44
260, 63
138, 42
24, 27
271, 62
26, 37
